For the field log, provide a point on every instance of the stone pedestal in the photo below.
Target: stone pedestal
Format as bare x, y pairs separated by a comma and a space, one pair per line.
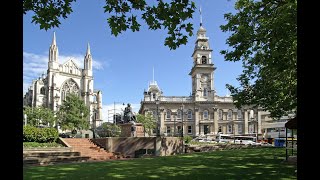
132, 130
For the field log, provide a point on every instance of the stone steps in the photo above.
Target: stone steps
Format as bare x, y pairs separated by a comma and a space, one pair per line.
54, 160
87, 148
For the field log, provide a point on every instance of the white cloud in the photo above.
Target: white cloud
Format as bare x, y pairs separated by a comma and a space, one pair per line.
36, 64
108, 110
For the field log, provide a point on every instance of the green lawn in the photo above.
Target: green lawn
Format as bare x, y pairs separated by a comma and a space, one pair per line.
260, 163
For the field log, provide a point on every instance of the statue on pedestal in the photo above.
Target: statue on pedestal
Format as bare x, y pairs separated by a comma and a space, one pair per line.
128, 114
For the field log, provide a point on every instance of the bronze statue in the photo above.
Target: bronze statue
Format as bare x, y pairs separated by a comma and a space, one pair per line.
128, 115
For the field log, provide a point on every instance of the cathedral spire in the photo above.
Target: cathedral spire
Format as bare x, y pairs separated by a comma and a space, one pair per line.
54, 39
88, 59
88, 49
53, 50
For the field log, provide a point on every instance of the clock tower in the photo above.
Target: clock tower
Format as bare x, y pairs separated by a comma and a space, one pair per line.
202, 70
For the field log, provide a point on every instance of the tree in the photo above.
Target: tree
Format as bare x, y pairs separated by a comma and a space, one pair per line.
148, 121
73, 114
37, 116
123, 14
264, 38
108, 129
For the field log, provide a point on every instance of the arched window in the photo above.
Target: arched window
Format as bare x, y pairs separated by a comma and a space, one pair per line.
205, 114
70, 86
239, 114
230, 114
179, 114
189, 114
205, 92
204, 60
168, 114
43, 91
220, 114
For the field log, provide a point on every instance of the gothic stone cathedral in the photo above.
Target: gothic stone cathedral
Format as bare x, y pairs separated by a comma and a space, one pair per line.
51, 89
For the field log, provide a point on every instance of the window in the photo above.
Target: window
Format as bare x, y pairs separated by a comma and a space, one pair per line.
189, 114
204, 60
189, 130
43, 91
239, 114
154, 95
178, 114
220, 129
229, 128
205, 92
205, 114
154, 114
230, 114
179, 129
240, 128
220, 114
206, 129
168, 130
168, 114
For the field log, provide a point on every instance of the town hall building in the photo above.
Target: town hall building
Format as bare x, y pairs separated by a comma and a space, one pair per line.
203, 113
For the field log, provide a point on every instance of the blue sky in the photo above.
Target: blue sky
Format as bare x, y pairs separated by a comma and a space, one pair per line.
123, 65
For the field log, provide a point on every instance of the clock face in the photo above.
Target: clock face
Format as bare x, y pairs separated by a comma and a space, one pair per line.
204, 78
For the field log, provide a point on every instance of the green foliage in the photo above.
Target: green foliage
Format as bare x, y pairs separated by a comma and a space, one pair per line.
73, 114
123, 15
48, 12
108, 129
41, 135
187, 139
264, 38
36, 144
148, 121
37, 116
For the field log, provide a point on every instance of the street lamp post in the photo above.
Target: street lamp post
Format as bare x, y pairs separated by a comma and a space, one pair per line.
182, 113
56, 98
256, 121
174, 125
158, 118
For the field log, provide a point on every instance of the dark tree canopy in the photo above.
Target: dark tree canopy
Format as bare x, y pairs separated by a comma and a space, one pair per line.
123, 15
264, 38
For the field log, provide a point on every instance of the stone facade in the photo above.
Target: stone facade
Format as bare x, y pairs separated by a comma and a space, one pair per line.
203, 113
51, 89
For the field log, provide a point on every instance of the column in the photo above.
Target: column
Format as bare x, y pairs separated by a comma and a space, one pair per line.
259, 122
224, 129
235, 128
215, 120
246, 121
196, 122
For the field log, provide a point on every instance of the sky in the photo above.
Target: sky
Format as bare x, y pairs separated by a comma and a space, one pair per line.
123, 65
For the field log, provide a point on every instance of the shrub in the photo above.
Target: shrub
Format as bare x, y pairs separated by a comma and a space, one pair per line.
187, 139
36, 144
41, 135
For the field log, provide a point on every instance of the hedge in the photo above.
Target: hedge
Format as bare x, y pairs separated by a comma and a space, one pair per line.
41, 135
